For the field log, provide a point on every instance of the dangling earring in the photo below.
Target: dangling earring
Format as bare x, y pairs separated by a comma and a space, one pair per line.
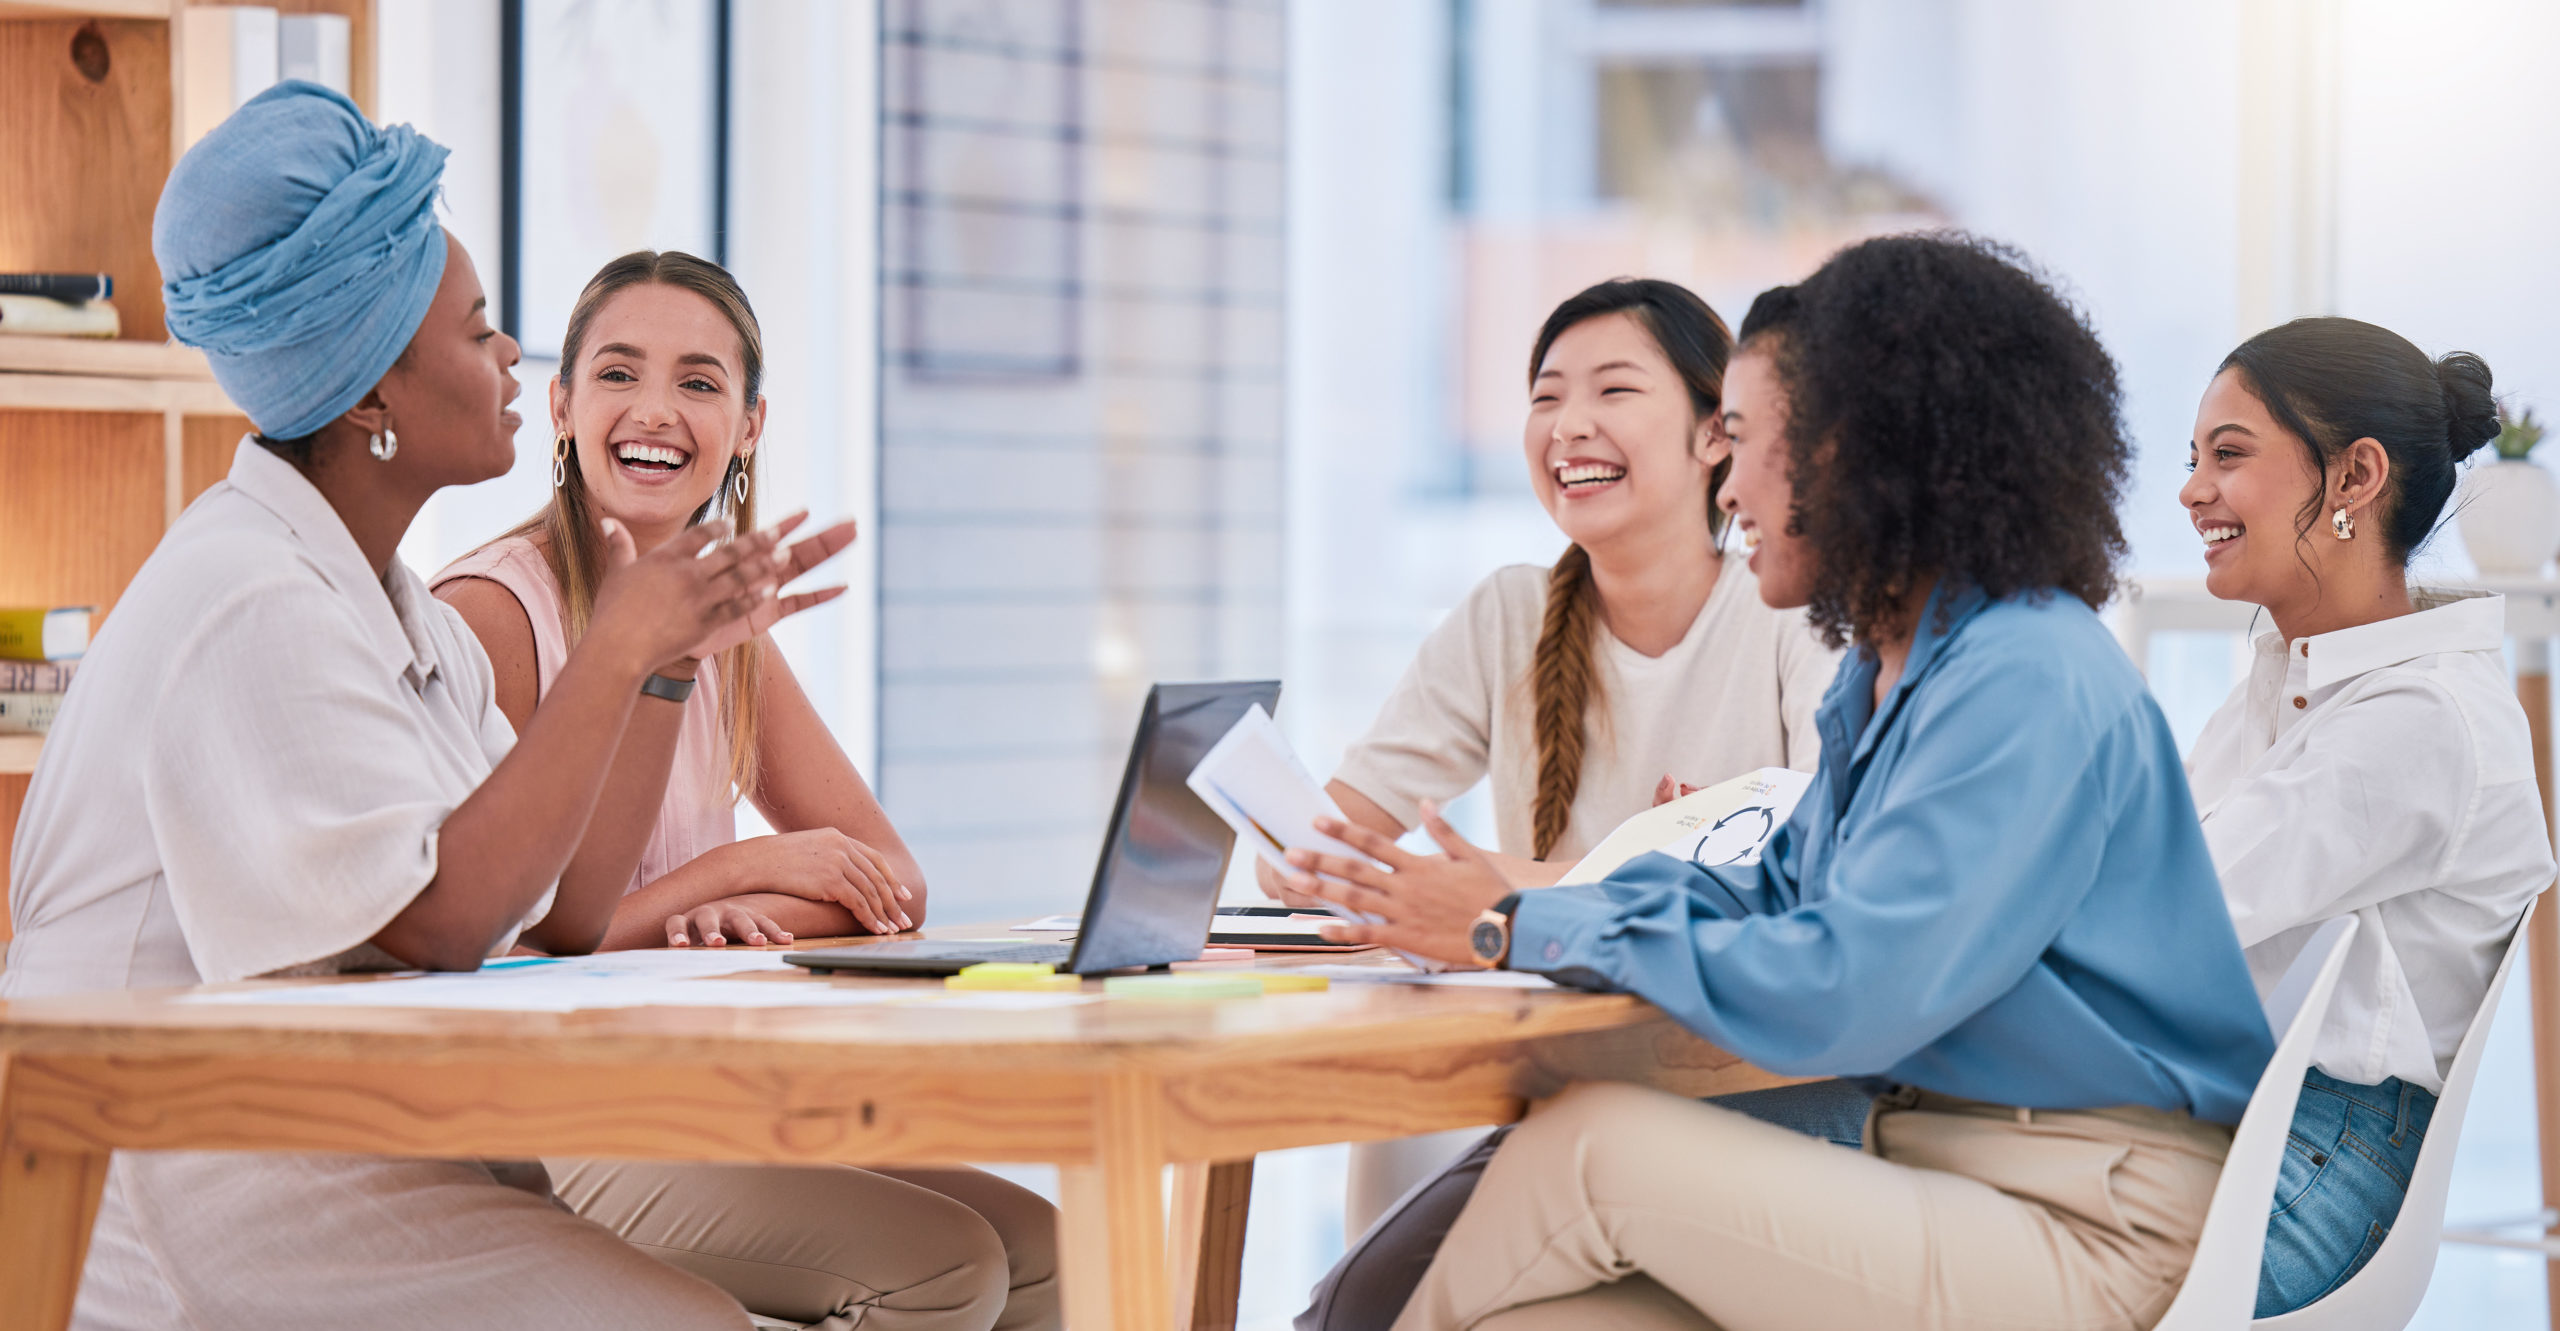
738, 483
560, 460
384, 445
2343, 524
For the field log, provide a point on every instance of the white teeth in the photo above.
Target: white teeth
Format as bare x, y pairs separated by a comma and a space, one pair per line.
1750, 538
1578, 473
2217, 535
649, 453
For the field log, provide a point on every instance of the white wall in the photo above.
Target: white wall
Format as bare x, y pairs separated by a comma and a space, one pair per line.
801, 192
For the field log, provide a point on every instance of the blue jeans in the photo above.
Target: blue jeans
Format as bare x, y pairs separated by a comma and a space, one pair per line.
2347, 1161
1370, 1285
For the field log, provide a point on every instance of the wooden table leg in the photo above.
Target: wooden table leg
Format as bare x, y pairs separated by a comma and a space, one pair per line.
1111, 1230
48, 1201
1205, 1248
2533, 691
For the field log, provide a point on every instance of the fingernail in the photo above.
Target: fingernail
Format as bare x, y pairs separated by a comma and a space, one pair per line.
757, 939
681, 942
1299, 857
716, 940
785, 935
904, 894
905, 923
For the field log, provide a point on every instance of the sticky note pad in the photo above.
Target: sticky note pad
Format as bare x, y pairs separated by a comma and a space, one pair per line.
1034, 976
1183, 987
1287, 982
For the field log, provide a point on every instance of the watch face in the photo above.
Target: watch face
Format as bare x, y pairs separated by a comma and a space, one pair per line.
1486, 940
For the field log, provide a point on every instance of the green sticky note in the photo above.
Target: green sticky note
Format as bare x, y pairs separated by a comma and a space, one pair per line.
1183, 987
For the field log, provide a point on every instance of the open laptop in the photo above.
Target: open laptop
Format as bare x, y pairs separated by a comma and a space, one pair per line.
1156, 885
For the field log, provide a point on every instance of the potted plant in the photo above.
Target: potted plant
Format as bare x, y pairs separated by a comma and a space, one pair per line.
2511, 509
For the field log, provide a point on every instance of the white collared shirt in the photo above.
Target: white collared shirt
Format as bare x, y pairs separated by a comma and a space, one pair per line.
250, 773
2382, 771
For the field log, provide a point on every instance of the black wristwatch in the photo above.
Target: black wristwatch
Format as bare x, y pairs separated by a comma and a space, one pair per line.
1490, 939
671, 689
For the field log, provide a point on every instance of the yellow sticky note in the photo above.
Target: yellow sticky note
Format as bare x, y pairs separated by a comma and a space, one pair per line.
1040, 983
1286, 982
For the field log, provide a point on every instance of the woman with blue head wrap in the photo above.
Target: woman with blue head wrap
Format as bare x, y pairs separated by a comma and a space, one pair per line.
286, 757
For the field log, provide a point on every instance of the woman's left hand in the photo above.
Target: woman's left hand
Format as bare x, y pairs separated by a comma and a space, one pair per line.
1424, 904
713, 924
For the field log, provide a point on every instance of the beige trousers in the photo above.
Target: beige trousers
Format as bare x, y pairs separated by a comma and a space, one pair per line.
886, 1249
1959, 1215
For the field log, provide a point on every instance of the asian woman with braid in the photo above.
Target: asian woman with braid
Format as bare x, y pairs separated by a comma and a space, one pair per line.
1643, 661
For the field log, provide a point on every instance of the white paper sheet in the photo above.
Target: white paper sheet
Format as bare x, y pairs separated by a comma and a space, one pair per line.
1725, 824
1452, 979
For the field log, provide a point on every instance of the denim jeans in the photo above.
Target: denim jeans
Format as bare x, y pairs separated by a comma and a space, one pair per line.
2347, 1161
1369, 1286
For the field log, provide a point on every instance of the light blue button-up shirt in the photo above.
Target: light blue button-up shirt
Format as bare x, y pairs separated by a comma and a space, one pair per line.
1995, 888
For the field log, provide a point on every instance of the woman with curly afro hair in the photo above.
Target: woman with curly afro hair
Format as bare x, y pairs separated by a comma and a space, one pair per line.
1995, 905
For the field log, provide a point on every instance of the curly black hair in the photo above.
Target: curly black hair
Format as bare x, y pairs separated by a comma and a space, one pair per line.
1950, 418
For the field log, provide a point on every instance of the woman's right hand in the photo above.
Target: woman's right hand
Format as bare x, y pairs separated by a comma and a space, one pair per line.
653, 608
1278, 889
823, 864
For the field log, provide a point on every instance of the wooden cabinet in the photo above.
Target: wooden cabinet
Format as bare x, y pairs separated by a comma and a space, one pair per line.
101, 443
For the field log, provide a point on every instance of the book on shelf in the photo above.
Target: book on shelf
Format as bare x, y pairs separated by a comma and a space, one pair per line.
36, 676
28, 713
57, 633
68, 287
40, 316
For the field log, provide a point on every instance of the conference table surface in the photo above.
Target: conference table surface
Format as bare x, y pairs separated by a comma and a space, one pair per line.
1111, 1092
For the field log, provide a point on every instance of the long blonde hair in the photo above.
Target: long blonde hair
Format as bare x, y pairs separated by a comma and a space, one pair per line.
567, 531
1564, 680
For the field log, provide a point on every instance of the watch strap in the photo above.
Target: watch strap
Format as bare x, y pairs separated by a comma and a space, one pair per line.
673, 690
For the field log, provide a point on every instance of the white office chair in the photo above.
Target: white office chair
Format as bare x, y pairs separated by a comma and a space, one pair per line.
2222, 1286
2386, 1293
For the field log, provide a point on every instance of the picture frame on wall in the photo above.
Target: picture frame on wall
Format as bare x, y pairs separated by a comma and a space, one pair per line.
614, 138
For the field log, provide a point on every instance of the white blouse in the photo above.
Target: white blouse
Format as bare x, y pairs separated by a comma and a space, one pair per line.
251, 771
1737, 692
2382, 771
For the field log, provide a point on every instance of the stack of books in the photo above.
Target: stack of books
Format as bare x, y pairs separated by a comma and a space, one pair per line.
57, 305
40, 650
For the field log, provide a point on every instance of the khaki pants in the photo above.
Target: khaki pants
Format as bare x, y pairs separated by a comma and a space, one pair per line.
1959, 1215
886, 1249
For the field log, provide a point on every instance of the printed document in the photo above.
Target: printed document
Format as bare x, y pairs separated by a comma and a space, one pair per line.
1724, 825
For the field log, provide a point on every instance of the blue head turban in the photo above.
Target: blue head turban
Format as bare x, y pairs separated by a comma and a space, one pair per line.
298, 246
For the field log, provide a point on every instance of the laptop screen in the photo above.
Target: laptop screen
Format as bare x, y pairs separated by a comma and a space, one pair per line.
1155, 890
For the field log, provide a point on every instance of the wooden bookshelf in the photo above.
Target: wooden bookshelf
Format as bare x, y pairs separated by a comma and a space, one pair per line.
102, 443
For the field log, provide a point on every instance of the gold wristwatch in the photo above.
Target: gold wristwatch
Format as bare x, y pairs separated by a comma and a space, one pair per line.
1490, 938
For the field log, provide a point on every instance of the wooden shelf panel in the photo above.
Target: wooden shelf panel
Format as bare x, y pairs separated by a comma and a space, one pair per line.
87, 105
18, 753
102, 358
145, 9
73, 392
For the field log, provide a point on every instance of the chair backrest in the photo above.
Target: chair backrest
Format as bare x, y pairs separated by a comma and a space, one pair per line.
2386, 1293
2222, 1285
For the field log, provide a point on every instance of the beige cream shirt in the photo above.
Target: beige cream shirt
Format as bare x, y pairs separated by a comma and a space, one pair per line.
250, 774
1736, 693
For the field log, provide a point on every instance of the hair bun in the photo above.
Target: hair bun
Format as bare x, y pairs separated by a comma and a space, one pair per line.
2471, 412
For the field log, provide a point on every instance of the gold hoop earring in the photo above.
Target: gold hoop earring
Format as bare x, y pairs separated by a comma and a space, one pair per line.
560, 460
738, 484
2344, 524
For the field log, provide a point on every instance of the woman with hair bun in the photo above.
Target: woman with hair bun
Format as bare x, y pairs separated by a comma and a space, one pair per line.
2374, 763
1994, 906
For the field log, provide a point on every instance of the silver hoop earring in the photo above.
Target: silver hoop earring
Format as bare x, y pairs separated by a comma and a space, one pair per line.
2343, 524
384, 445
738, 486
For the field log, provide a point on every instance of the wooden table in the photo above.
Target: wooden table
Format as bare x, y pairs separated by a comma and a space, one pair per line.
2159, 605
1111, 1092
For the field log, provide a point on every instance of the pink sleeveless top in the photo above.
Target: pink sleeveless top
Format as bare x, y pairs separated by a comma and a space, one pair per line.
697, 814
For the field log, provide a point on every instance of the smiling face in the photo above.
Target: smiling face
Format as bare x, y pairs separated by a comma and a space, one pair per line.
1761, 493
2252, 482
656, 405
1615, 450
447, 395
